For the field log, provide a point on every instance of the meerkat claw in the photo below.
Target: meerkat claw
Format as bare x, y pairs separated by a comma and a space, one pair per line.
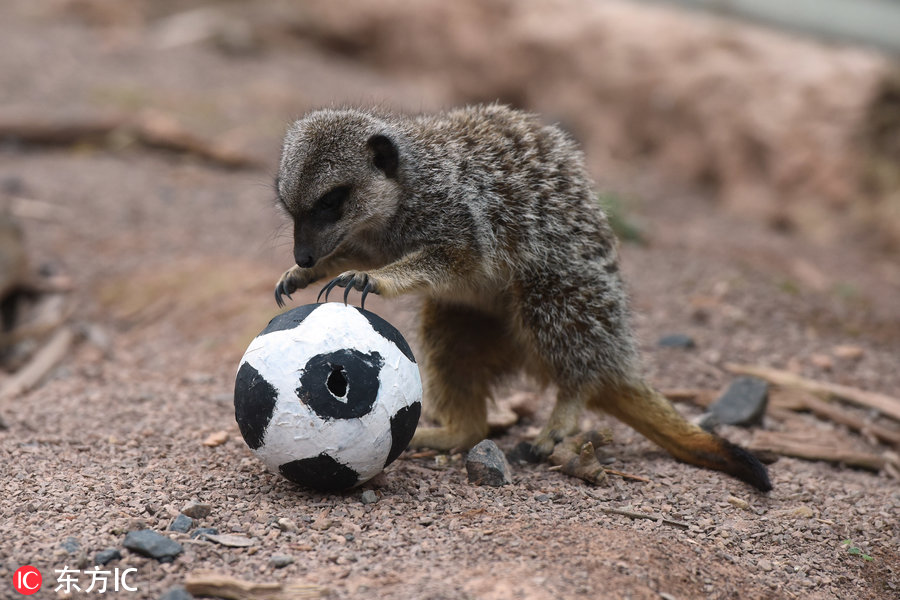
327, 289
279, 291
365, 292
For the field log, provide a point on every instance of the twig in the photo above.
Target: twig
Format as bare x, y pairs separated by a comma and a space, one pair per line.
42, 362
230, 588
152, 130
881, 402
838, 415
650, 517
636, 515
806, 448
626, 475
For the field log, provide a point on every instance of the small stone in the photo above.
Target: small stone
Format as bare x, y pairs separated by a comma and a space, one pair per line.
707, 422
542, 497
285, 524
743, 403
487, 465
369, 497
823, 361
202, 532
523, 453
107, 556
734, 501
196, 510
764, 564
70, 545
216, 439
181, 524
177, 593
150, 543
802, 512
676, 340
279, 561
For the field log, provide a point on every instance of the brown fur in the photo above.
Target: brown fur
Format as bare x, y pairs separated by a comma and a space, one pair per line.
490, 215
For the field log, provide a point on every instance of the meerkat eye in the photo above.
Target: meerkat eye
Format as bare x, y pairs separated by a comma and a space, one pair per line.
333, 199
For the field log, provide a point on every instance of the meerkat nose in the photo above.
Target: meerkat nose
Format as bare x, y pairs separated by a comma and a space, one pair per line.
305, 262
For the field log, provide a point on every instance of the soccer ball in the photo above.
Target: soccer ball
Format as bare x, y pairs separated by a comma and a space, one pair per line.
328, 395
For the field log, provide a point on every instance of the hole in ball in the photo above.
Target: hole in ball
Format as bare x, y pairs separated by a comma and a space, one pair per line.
337, 381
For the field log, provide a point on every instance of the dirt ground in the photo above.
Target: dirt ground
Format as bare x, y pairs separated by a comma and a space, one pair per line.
175, 260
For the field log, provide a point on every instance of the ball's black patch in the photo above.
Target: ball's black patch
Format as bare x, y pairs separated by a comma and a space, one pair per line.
254, 402
403, 426
389, 332
342, 384
289, 319
320, 472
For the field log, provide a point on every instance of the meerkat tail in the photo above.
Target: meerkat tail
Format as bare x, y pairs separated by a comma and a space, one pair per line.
652, 415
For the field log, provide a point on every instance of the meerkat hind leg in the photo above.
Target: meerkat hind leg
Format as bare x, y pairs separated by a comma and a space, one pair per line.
466, 353
562, 423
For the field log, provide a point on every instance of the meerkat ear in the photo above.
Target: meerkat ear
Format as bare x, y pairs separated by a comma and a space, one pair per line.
385, 156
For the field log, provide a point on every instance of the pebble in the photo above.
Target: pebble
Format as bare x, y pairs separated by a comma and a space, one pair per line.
203, 532
182, 524
216, 439
676, 340
523, 453
70, 545
279, 561
150, 543
707, 422
487, 465
743, 403
369, 497
738, 502
286, 524
196, 510
107, 556
177, 593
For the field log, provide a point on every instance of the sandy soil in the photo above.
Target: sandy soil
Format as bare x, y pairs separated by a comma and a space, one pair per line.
175, 260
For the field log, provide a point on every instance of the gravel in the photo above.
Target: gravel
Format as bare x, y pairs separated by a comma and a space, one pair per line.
150, 543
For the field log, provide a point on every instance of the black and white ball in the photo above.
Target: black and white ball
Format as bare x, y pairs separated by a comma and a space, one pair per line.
328, 395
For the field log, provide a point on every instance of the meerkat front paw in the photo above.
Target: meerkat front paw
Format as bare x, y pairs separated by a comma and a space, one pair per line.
363, 282
295, 278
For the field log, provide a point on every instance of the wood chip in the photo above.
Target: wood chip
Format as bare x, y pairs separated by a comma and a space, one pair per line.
231, 540
807, 446
216, 439
848, 352
41, 363
224, 586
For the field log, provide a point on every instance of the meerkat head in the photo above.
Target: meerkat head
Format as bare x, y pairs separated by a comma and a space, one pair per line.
338, 180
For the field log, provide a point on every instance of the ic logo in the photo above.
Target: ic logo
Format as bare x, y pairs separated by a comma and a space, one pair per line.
27, 580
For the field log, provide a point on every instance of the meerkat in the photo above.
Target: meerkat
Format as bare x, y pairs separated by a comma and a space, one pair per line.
490, 215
